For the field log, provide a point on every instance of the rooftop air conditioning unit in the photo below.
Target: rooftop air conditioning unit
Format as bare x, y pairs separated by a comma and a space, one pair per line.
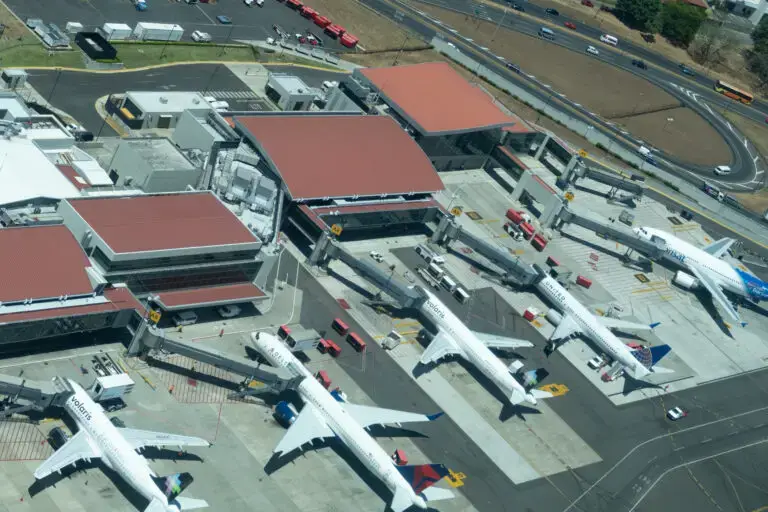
163, 100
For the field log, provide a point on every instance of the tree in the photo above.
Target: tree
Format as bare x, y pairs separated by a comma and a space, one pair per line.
638, 14
758, 64
711, 45
760, 35
680, 22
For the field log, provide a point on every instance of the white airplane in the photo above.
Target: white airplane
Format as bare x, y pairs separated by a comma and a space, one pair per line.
324, 416
97, 437
709, 270
576, 319
454, 338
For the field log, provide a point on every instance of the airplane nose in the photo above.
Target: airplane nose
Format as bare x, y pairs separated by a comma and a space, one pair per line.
419, 502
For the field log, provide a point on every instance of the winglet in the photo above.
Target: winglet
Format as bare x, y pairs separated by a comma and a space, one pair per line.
654, 325
433, 417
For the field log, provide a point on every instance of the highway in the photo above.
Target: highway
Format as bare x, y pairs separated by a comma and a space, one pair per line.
748, 168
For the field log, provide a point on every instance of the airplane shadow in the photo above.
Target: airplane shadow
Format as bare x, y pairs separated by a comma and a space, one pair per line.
473, 263
349, 284
593, 246
631, 385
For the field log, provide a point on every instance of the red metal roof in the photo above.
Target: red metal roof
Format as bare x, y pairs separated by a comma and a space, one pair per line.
71, 174
513, 157
119, 299
41, 262
342, 156
209, 296
436, 98
162, 222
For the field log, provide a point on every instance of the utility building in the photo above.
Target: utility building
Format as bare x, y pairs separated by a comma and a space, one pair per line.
289, 92
152, 165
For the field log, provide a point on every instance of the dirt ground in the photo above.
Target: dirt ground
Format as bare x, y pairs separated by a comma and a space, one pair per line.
656, 127
757, 133
732, 70
598, 86
374, 30
516, 106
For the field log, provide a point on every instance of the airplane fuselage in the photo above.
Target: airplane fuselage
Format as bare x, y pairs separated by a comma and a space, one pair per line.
590, 326
475, 350
115, 451
351, 433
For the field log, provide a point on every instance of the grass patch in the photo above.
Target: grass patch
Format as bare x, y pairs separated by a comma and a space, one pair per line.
135, 55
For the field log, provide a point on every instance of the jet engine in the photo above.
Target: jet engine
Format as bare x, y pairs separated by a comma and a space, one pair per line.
554, 317
686, 281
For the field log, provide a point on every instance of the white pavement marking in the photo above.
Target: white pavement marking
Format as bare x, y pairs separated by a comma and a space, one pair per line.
726, 452
662, 436
511, 463
202, 11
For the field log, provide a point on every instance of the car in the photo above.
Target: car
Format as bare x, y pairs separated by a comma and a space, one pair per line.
518, 7
569, 24
376, 255
676, 413
648, 38
639, 64
57, 438
722, 170
592, 50
686, 70
513, 67
185, 318
201, 37
596, 362
587, 3
191, 2
551, 11
223, 19
117, 422
229, 311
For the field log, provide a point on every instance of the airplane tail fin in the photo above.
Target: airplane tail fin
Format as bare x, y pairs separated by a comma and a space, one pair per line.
649, 356
423, 476
173, 485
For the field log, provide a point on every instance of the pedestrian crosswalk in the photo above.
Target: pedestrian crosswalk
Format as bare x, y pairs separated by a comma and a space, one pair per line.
231, 95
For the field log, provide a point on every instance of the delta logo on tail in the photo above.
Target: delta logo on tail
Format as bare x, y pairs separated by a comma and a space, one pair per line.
649, 356
424, 476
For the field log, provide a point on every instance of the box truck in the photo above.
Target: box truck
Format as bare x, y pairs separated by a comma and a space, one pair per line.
158, 32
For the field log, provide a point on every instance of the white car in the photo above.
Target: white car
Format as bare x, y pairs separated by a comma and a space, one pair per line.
201, 37
185, 318
676, 413
593, 50
596, 363
376, 255
229, 311
722, 170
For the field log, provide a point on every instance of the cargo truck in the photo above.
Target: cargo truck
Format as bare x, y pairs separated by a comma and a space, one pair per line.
157, 32
108, 391
285, 413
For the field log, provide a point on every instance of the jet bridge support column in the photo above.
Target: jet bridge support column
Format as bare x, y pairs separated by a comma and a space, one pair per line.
542, 147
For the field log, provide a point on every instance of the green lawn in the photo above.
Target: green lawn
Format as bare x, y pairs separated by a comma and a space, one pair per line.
135, 55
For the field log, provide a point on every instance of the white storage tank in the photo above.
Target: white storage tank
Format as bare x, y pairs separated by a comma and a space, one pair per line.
116, 31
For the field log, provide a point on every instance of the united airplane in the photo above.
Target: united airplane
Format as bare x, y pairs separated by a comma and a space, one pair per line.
455, 338
704, 268
98, 438
326, 416
576, 319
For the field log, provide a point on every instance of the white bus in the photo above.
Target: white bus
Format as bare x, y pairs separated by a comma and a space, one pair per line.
607, 38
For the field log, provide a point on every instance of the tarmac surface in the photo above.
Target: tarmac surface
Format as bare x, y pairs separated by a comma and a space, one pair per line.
247, 22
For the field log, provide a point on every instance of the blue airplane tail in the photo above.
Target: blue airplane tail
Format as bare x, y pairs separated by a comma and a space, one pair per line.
423, 476
649, 356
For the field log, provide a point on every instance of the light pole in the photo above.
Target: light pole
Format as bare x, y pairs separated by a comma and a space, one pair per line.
501, 21
455, 195
399, 15
637, 104
669, 120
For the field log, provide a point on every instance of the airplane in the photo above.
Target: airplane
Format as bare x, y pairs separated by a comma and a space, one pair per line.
97, 437
454, 338
325, 415
576, 319
709, 270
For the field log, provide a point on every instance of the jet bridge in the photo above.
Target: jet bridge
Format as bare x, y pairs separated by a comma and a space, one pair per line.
615, 232
22, 395
516, 271
151, 338
326, 249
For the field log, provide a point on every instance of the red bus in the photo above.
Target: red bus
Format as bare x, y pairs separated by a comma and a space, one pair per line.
339, 326
356, 341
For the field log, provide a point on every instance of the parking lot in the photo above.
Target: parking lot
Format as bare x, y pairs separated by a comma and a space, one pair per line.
249, 23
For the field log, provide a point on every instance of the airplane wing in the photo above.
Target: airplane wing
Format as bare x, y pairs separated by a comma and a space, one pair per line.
440, 347
717, 293
565, 328
366, 416
141, 438
493, 341
308, 426
614, 323
717, 249
77, 448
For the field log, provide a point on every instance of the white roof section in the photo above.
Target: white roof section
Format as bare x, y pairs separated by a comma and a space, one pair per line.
165, 101
89, 169
291, 84
13, 106
26, 173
